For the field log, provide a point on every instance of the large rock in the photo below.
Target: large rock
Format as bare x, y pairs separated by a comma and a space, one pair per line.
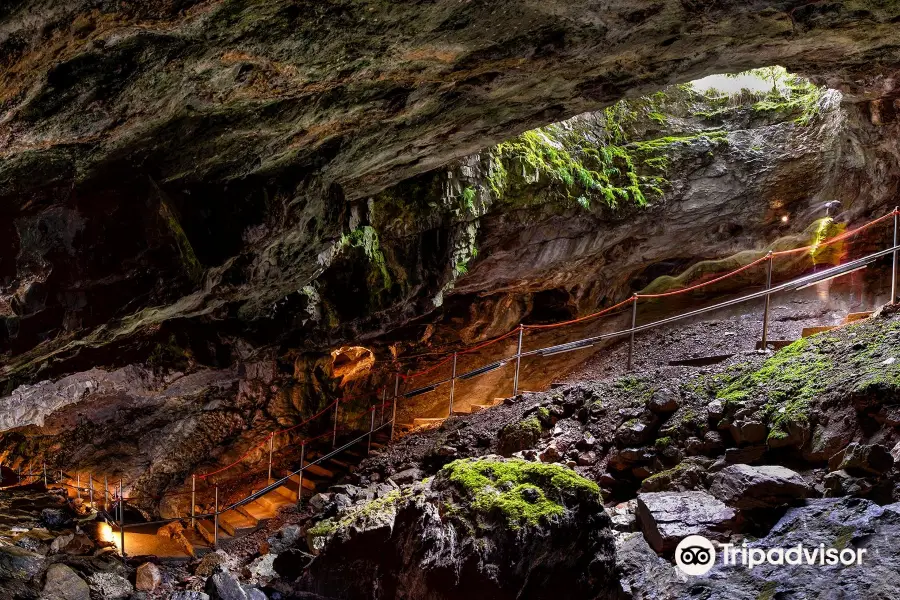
148, 577
62, 583
668, 517
872, 459
487, 528
842, 524
225, 586
746, 487
19, 564
109, 586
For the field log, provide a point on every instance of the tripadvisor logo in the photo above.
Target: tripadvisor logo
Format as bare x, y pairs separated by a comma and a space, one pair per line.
696, 555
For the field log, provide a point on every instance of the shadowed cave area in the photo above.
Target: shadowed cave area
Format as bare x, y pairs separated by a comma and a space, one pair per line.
438, 300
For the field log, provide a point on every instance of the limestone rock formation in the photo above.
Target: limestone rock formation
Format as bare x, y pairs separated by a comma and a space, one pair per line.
483, 528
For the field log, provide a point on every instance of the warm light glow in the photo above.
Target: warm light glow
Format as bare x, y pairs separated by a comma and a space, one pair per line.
105, 533
351, 362
784, 219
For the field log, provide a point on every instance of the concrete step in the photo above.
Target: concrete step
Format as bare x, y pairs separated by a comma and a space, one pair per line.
309, 482
317, 469
340, 464
237, 524
857, 316
429, 422
195, 544
257, 510
808, 331
205, 529
275, 500
377, 445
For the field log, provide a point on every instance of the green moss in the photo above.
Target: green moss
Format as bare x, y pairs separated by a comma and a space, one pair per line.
366, 239
192, 266
361, 514
663, 443
521, 492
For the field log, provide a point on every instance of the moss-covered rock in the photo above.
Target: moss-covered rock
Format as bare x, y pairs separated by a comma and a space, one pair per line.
516, 492
520, 436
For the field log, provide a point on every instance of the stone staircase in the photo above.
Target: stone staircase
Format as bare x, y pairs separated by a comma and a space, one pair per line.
851, 318
254, 515
424, 424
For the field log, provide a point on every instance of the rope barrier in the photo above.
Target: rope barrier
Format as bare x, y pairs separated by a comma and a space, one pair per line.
705, 283
584, 318
408, 376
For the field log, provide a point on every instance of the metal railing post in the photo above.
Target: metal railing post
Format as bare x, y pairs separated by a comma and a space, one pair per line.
193, 498
518, 361
371, 430
45, 473
337, 406
271, 449
122, 516
91, 489
765, 331
452, 386
634, 304
216, 521
302, 466
396, 393
78, 484
894, 269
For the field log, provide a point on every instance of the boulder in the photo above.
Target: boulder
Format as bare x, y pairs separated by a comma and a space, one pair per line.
19, 564
664, 401
408, 476
873, 459
109, 586
319, 501
841, 483
225, 586
54, 518
550, 454
686, 476
148, 577
75, 544
211, 562
62, 583
768, 486
286, 537
668, 517
748, 432
171, 530
747, 455
514, 528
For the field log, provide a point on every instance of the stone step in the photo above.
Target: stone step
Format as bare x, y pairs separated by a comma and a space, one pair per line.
275, 500
317, 469
205, 529
195, 544
342, 464
377, 445
808, 331
237, 524
257, 510
428, 422
309, 483
857, 316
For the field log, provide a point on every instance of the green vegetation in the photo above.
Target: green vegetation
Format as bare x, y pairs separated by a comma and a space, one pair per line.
790, 96
366, 239
521, 492
360, 515
519, 436
790, 380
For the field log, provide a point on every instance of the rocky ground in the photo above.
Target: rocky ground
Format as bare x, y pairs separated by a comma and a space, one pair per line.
585, 488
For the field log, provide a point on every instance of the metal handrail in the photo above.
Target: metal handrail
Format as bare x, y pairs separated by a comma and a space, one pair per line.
546, 351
